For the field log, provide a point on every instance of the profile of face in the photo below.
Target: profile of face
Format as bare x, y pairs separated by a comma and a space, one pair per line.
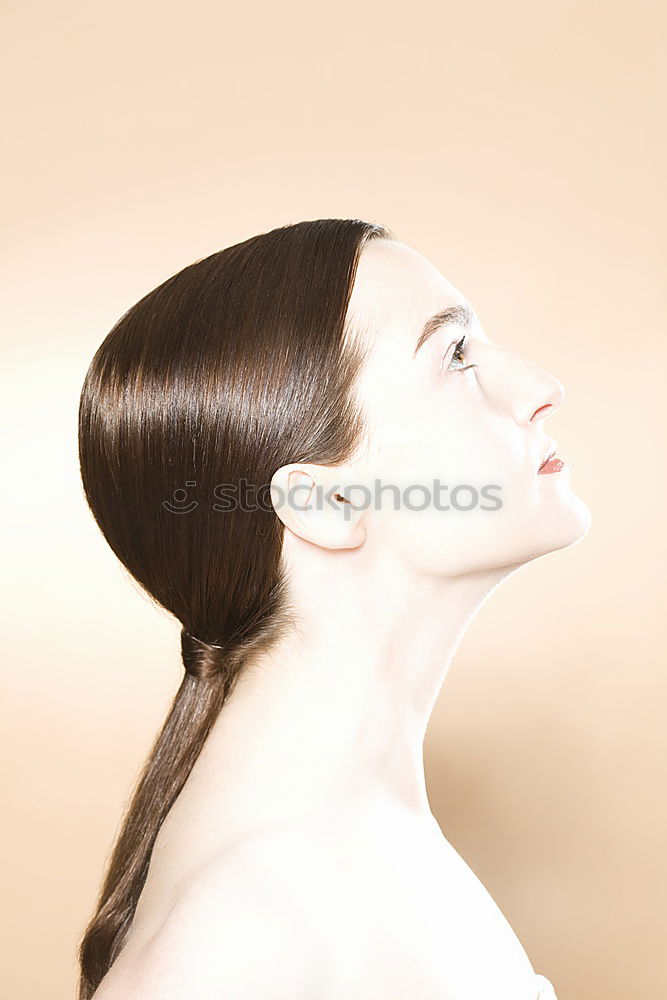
456, 432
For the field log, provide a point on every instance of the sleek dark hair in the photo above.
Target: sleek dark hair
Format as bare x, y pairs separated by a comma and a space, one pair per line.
240, 363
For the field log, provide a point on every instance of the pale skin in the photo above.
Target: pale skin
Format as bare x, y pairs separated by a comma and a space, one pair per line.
304, 833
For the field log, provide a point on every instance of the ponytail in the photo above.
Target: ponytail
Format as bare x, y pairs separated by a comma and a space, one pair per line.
236, 365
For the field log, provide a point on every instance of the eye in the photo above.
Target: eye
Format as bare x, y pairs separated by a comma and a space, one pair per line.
458, 357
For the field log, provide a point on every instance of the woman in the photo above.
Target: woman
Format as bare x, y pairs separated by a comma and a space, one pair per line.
307, 450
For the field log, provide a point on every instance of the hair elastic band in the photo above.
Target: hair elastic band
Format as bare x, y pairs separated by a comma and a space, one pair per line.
201, 641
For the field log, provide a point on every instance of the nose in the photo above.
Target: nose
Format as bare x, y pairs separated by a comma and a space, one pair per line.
543, 396
530, 392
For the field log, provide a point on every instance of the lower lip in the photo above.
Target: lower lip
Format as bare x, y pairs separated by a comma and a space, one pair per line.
553, 465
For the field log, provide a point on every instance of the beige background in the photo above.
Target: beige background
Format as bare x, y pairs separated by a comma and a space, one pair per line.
521, 147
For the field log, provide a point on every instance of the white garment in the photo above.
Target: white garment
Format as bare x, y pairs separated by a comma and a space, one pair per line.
545, 990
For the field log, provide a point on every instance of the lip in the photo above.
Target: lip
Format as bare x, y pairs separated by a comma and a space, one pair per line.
554, 465
549, 452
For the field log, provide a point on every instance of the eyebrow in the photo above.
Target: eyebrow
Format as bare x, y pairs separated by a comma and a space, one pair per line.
462, 315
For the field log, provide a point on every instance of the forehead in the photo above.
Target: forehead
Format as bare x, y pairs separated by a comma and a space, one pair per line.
395, 291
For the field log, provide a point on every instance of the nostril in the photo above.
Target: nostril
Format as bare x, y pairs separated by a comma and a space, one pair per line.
547, 406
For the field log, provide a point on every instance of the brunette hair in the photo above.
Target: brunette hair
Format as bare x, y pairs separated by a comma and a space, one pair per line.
240, 363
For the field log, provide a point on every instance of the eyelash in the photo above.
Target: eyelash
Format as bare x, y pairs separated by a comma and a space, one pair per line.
459, 349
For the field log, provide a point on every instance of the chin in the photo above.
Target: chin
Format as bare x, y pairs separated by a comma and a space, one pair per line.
564, 526
557, 526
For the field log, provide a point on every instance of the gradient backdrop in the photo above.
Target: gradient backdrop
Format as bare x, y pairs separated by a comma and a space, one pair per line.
521, 147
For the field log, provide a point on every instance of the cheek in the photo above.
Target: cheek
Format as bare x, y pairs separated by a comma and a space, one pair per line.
464, 499
414, 430
451, 535
453, 448
472, 531
442, 510
448, 469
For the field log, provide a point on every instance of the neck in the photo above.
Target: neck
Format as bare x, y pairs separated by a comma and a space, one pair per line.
331, 722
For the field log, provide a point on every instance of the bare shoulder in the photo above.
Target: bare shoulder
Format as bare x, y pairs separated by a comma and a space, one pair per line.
239, 930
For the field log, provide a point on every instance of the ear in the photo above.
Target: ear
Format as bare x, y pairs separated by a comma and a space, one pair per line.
310, 501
